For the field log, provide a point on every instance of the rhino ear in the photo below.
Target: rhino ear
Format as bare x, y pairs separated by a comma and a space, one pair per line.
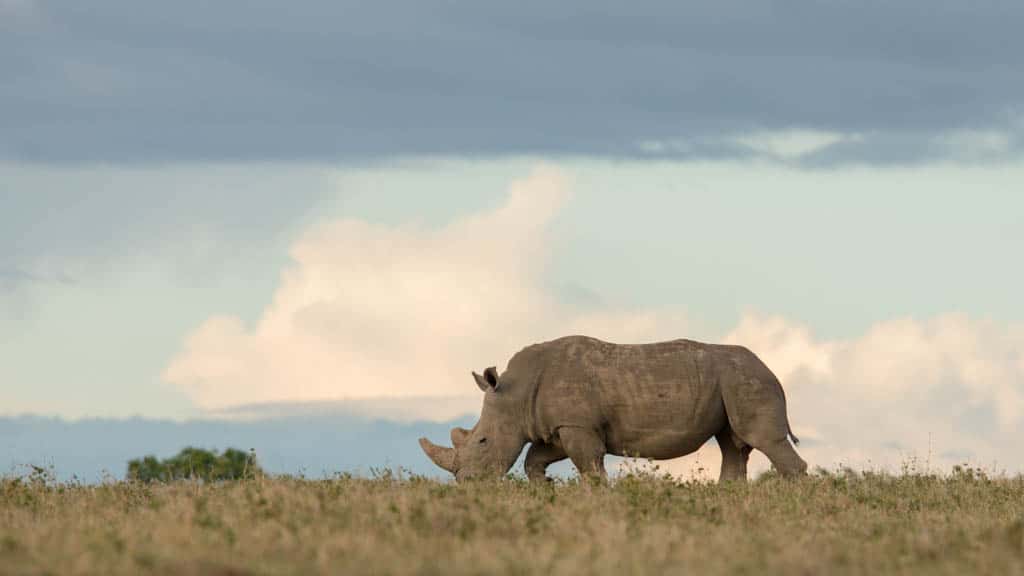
489, 381
459, 436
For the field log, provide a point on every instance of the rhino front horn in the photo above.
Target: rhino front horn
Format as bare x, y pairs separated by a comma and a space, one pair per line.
443, 457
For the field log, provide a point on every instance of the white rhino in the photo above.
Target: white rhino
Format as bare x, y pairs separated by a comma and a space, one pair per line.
581, 398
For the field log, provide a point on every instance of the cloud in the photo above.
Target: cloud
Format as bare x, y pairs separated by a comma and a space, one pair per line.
371, 311
408, 409
943, 389
14, 276
71, 224
356, 80
785, 145
929, 393
15, 7
368, 312
811, 148
976, 144
792, 144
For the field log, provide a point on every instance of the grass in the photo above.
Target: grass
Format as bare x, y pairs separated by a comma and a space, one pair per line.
828, 523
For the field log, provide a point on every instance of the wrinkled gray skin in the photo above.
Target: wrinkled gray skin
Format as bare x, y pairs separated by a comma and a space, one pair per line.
581, 398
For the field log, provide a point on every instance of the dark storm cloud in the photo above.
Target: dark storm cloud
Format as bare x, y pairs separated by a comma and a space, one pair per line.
124, 81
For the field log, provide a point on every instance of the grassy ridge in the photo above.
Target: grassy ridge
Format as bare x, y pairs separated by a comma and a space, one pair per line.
827, 523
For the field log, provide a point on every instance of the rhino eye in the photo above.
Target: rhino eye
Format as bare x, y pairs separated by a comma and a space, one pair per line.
483, 440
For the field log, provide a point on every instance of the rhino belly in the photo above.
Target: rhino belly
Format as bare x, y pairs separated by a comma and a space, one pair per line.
663, 431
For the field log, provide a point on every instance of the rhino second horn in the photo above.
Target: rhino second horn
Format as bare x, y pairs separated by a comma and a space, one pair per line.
440, 455
459, 436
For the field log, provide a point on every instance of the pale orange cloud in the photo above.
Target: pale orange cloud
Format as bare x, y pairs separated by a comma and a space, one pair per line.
368, 312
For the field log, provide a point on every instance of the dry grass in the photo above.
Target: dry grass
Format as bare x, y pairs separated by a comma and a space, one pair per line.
825, 524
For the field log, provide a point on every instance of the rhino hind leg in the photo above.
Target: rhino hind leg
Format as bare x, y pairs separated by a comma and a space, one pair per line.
763, 433
784, 458
735, 454
756, 409
539, 457
586, 449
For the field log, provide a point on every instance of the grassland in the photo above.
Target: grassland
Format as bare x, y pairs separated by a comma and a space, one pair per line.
838, 523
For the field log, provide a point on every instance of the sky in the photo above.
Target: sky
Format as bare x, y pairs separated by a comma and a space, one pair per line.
228, 211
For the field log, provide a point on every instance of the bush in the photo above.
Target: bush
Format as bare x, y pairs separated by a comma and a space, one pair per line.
195, 463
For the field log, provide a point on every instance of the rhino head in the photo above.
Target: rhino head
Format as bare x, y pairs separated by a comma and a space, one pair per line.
490, 449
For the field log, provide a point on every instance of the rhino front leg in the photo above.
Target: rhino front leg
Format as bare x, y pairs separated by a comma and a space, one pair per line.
586, 449
539, 457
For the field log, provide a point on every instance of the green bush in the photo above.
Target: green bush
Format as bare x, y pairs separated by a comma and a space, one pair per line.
195, 463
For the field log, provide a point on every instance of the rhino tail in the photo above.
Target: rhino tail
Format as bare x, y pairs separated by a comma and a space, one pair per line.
796, 441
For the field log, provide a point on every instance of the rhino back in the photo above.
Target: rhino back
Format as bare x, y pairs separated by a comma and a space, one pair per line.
652, 400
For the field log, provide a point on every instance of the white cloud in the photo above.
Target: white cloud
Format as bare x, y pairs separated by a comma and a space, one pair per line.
401, 409
937, 392
946, 389
974, 144
793, 348
774, 145
792, 144
370, 311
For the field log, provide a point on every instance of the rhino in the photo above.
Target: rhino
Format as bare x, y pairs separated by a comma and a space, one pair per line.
581, 398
